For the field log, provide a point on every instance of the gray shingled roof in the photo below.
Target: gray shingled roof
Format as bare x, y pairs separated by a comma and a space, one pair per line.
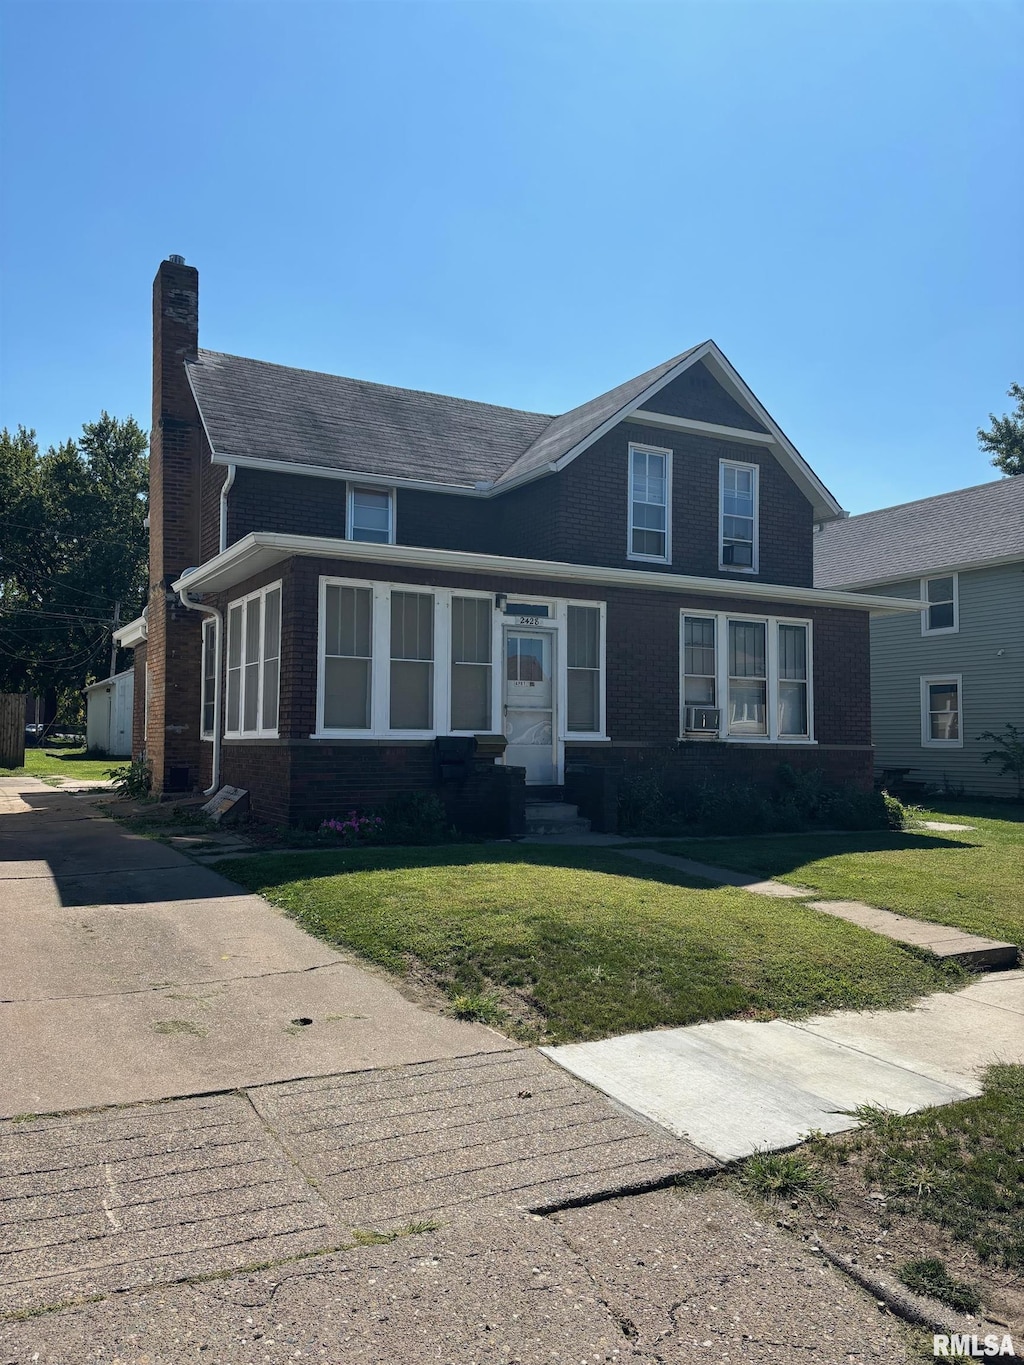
256, 410
272, 412
970, 526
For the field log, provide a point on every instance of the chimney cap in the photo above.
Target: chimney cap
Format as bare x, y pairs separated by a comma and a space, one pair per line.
176, 260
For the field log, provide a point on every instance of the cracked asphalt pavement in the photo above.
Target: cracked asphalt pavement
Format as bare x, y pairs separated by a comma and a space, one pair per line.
187, 1174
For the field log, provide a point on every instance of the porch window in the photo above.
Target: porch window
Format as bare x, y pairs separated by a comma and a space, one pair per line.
371, 515
650, 471
471, 663
209, 696
942, 615
254, 655
348, 638
738, 516
940, 712
583, 668
748, 678
412, 661
699, 661
792, 652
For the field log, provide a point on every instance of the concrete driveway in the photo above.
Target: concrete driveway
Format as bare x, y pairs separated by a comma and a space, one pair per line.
129, 973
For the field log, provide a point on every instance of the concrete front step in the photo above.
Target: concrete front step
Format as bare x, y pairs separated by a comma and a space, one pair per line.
554, 817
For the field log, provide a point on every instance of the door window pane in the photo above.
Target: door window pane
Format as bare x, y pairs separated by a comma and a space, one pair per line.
371, 515
471, 663
347, 666
748, 680
412, 668
583, 656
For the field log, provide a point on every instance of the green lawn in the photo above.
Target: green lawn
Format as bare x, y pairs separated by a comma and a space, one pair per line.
56, 762
570, 943
972, 879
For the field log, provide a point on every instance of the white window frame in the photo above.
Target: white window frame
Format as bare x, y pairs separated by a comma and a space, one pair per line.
380, 660
243, 602
771, 624
940, 679
209, 629
954, 629
755, 548
386, 489
637, 447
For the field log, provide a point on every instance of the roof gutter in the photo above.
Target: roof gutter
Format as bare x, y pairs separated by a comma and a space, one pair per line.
261, 550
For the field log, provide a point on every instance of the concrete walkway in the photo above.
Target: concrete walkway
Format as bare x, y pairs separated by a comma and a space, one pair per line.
129, 973
734, 1087
982, 954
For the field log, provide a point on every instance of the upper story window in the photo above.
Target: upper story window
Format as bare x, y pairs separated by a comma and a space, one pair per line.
650, 498
940, 712
254, 664
737, 521
942, 614
371, 515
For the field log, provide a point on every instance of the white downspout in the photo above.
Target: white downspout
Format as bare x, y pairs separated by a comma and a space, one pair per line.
186, 601
225, 489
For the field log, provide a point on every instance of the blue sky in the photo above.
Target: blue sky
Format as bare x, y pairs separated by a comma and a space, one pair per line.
527, 203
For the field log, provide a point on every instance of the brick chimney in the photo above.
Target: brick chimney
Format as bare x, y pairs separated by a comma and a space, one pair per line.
174, 638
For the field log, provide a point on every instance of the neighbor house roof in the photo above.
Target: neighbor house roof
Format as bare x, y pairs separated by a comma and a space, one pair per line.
274, 416
969, 528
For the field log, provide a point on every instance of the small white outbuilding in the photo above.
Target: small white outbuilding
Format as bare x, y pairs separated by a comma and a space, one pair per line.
108, 714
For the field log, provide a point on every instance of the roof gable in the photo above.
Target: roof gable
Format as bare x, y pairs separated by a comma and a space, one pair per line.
258, 413
970, 527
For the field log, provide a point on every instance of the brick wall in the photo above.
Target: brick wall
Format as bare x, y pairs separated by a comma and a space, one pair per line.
139, 701
289, 504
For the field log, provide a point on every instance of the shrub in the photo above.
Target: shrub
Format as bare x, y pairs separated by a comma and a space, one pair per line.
133, 780
1008, 753
643, 806
415, 818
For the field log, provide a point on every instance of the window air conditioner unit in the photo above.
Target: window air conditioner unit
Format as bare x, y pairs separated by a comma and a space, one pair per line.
741, 554
702, 720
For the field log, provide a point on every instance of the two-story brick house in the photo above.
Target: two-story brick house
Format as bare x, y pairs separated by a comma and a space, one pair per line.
343, 572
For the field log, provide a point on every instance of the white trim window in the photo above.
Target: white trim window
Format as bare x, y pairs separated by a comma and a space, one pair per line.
941, 712
650, 503
472, 661
941, 616
370, 514
208, 701
738, 516
254, 664
745, 678
414, 661
584, 653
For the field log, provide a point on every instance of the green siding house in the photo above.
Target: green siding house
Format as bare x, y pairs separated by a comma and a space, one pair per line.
939, 681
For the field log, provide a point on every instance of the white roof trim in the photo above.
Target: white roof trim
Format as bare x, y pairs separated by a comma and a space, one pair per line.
132, 634
713, 429
349, 475
107, 682
912, 575
261, 550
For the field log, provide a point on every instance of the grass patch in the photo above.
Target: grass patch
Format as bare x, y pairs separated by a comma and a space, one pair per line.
970, 879
960, 1166
930, 1276
580, 943
786, 1175
51, 762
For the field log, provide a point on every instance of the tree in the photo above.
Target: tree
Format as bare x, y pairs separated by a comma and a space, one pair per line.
72, 545
1004, 441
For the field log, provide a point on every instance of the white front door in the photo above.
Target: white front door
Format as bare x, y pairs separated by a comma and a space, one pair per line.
530, 721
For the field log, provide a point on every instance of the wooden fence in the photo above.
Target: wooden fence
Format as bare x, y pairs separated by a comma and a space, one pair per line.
12, 730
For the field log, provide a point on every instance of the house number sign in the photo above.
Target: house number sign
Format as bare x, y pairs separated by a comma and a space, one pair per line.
529, 620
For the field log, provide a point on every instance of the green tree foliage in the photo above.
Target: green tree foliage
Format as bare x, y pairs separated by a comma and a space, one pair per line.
1004, 440
72, 543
